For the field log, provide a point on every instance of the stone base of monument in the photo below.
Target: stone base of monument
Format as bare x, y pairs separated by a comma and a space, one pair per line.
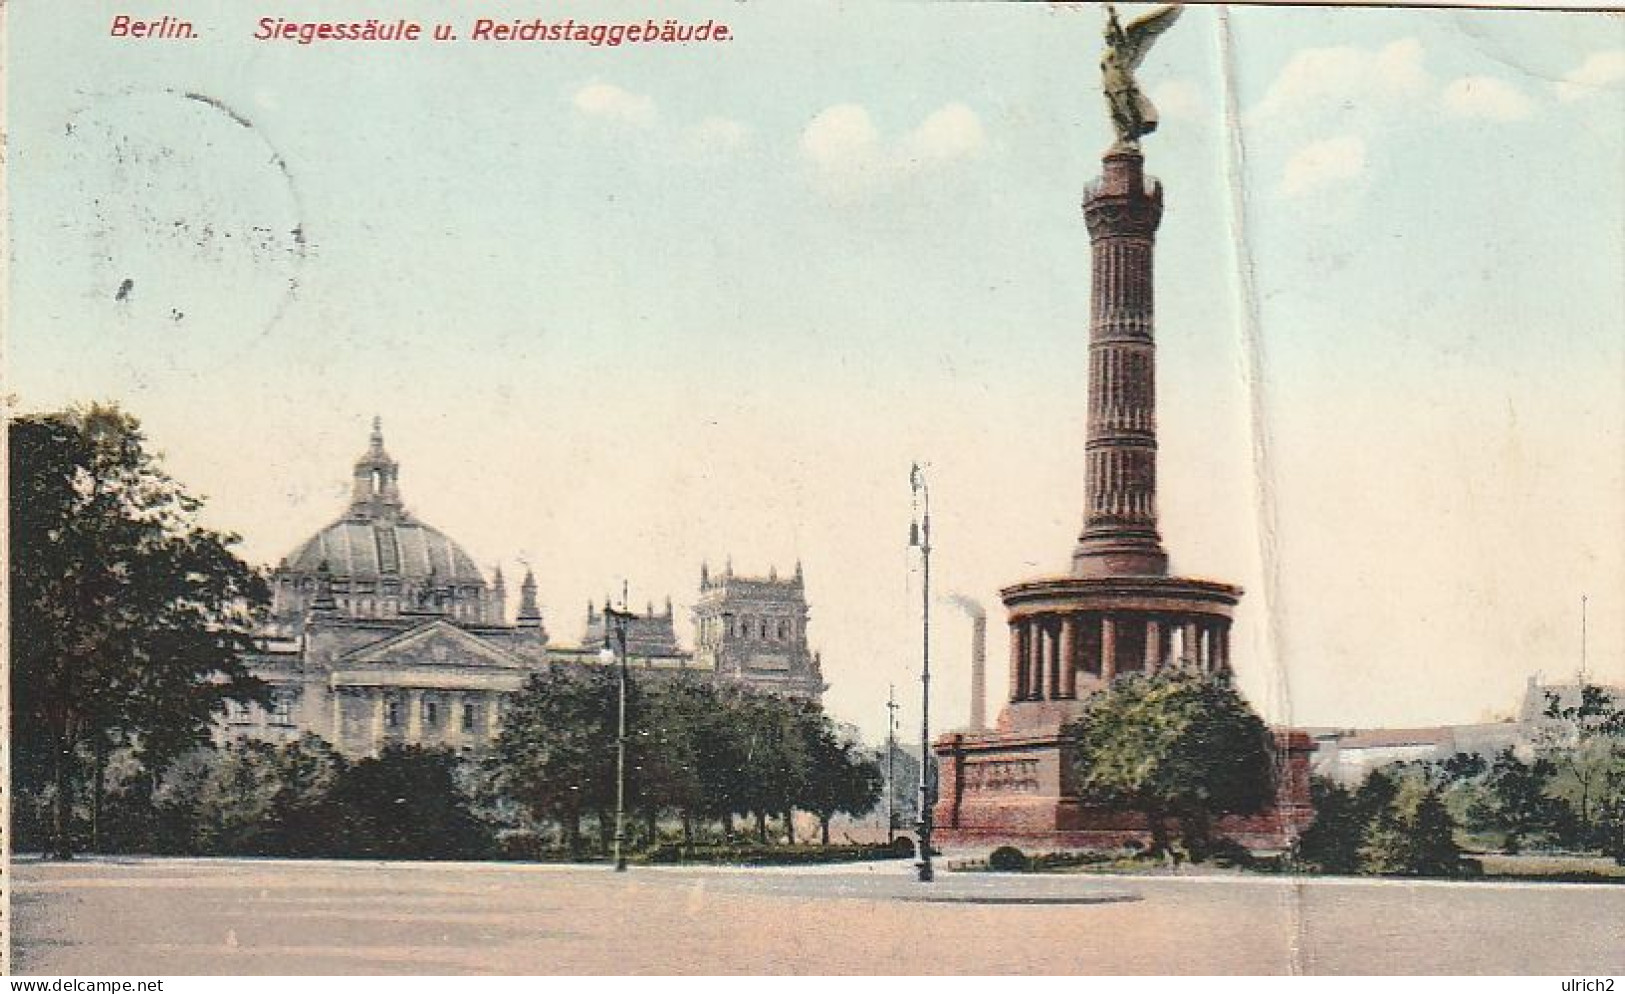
1017, 788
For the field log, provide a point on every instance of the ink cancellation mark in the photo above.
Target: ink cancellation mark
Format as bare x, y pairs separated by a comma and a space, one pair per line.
165, 28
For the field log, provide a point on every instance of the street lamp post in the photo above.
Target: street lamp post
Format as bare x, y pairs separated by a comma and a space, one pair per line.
920, 536
891, 758
616, 653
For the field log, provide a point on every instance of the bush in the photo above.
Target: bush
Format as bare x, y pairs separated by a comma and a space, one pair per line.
1229, 852
759, 855
1067, 860
1007, 859
1413, 836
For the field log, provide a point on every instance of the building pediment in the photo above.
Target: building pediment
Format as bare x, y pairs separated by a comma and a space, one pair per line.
437, 643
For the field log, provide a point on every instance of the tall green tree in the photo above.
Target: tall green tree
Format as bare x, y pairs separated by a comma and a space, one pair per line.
677, 738
130, 620
773, 777
302, 816
1412, 835
1514, 799
1178, 744
1331, 843
405, 803
556, 752
1585, 742
840, 778
722, 745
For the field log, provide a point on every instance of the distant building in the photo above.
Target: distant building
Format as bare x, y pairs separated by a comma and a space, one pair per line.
383, 631
651, 642
753, 631
647, 634
1348, 755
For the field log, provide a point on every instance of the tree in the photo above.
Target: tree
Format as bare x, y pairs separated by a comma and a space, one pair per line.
235, 800
694, 750
1514, 799
687, 753
773, 776
1331, 843
302, 815
405, 804
905, 784
1412, 835
1177, 744
129, 619
1585, 741
840, 779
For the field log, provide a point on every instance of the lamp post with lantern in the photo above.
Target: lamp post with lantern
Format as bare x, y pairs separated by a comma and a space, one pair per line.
613, 654
919, 536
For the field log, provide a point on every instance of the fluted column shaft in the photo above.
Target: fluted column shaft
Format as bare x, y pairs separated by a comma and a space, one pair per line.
1120, 535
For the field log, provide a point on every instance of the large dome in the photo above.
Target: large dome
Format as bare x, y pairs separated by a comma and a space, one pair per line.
380, 548
378, 561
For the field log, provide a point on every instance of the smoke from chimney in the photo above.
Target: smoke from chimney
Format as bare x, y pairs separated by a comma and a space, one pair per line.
978, 660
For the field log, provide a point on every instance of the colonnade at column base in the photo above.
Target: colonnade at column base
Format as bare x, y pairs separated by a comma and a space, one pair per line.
1073, 635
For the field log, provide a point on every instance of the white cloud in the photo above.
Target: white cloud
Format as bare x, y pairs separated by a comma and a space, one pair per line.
849, 155
950, 132
719, 134
1600, 71
841, 139
607, 100
1324, 163
1345, 78
1486, 97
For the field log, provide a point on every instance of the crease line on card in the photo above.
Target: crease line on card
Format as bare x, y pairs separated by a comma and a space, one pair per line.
1253, 366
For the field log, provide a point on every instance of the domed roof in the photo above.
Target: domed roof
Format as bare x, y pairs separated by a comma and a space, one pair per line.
378, 539
404, 549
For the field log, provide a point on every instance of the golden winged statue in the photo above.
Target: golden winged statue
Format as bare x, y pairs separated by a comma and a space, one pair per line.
1126, 48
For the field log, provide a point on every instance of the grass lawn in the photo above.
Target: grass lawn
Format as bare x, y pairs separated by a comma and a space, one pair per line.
1585, 869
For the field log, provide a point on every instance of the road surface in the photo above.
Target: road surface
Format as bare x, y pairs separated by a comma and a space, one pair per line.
186, 916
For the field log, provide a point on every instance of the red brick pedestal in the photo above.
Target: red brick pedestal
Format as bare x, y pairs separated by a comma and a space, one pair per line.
1016, 788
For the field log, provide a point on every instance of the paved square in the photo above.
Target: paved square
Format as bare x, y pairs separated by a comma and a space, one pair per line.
152, 916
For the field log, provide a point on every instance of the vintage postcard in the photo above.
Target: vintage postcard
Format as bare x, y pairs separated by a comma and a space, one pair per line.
871, 488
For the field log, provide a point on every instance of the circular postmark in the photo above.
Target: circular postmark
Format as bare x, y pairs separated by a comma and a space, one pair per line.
170, 225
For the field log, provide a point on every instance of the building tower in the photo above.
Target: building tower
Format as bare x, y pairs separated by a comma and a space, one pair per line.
753, 631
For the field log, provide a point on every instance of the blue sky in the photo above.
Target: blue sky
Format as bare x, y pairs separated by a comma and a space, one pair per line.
624, 310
